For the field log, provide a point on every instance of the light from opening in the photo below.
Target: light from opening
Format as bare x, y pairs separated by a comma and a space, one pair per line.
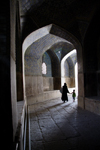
44, 68
63, 70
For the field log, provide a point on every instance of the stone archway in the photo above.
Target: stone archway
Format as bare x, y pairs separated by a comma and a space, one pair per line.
38, 42
69, 72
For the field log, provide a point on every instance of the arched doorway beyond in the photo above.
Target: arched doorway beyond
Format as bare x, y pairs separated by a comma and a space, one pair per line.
33, 48
69, 70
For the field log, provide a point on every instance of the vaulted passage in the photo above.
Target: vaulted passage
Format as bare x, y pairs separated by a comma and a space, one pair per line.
49, 62
43, 44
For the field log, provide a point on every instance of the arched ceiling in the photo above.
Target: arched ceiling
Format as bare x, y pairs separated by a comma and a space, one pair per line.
61, 49
37, 48
72, 15
47, 38
42, 40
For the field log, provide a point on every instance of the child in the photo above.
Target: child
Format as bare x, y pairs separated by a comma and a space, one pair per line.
73, 95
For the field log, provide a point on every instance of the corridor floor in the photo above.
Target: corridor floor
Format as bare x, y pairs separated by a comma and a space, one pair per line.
55, 125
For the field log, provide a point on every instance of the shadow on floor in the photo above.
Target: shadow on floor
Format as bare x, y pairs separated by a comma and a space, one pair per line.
55, 125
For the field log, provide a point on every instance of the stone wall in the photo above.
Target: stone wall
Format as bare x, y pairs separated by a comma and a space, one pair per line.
48, 84
8, 95
43, 97
22, 125
40, 88
93, 104
35, 85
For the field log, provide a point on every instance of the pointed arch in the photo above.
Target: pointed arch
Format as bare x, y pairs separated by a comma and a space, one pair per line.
44, 38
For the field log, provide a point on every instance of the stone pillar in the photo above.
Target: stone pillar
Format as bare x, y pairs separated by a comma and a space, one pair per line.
8, 109
19, 76
81, 100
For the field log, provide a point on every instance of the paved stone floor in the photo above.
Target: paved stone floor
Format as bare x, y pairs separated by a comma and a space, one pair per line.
55, 125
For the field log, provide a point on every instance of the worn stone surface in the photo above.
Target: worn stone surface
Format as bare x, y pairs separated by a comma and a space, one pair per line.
47, 95
48, 83
55, 125
93, 104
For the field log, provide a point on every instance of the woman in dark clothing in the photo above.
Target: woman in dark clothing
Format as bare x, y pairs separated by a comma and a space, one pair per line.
64, 93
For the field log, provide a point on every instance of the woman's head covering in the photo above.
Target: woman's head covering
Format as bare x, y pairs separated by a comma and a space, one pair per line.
65, 84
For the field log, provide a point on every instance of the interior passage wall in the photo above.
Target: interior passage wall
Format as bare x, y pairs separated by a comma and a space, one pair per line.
8, 107
35, 85
40, 88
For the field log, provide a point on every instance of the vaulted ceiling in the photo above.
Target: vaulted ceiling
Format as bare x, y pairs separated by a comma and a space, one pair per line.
71, 15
